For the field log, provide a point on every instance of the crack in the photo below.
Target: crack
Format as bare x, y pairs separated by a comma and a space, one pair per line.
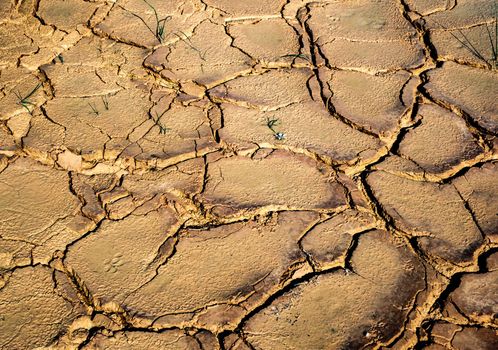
194, 214
473, 126
413, 307
326, 95
284, 289
453, 283
423, 34
232, 44
467, 206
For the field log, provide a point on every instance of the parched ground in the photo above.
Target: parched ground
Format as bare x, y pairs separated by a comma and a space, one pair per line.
237, 175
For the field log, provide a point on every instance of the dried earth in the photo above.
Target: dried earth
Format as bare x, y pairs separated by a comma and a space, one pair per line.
242, 175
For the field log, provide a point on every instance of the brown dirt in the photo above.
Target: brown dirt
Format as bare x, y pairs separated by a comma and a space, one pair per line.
264, 175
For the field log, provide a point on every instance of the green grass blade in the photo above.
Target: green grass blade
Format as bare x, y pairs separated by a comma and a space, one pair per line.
469, 46
153, 9
189, 43
32, 91
493, 49
140, 18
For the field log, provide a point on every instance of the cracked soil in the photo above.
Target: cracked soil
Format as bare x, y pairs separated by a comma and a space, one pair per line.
242, 175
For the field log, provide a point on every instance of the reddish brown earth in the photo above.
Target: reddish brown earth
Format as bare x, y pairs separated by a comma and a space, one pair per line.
241, 175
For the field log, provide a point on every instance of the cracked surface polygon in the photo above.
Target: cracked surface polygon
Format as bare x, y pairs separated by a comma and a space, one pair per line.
218, 174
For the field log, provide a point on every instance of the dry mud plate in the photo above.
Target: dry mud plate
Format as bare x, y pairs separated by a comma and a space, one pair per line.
248, 175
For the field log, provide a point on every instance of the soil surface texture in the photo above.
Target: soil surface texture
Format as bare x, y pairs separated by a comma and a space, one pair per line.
248, 175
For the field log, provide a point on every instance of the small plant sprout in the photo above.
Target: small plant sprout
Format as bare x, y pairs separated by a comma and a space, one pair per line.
158, 31
94, 109
157, 120
58, 57
24, 101
279, 135
105, 101
271, 123
160, 23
